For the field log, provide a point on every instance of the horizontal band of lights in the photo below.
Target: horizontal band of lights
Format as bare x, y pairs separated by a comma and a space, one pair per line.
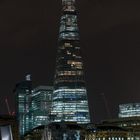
129, 110
70, 90
68, 45
69, 73
71, 110
69, 35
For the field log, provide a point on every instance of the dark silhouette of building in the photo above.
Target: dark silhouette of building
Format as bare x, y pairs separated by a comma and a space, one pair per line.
57, 131
8, 128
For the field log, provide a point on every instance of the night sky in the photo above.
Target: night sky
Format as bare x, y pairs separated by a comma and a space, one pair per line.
110, 44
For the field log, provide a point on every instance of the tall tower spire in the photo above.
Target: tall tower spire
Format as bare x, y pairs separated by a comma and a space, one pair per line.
68, 25
70, 101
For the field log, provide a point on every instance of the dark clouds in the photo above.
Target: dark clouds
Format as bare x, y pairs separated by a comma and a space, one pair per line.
110, 46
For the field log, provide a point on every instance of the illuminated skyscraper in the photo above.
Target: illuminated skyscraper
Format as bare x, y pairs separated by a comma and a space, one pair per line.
23, 92
33, 106
69, 101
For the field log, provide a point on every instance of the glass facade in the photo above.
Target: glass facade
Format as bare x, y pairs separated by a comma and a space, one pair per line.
41, 105
23, 92
129, 110
69, 100
33, 106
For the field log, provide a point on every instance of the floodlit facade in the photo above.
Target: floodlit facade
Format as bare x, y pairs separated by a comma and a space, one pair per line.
129, 110
41, 100
69, 101
23, 92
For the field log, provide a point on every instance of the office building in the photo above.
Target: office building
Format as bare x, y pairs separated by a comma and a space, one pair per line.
105, 132
129, 120
33, 106
23, 91
40, 110
131, 124
69, 100
129, 110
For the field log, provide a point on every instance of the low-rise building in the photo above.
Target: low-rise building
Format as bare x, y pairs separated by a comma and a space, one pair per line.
131, 124
57, 131
105, 132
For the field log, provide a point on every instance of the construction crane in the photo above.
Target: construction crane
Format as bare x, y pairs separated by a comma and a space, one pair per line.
8, 108
106, 105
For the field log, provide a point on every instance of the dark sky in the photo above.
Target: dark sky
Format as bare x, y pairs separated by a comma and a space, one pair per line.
110, 38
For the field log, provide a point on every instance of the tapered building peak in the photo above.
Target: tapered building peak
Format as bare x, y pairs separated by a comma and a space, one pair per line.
68, 5
68, 24
70, 101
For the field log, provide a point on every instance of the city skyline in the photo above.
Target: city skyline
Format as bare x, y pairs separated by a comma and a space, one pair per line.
109, 34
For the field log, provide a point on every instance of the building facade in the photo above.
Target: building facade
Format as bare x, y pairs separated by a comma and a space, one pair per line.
57, 131
40, 110
33, 106
69, 101
105, 132
129, 110
129, 120
131, 124
23, 91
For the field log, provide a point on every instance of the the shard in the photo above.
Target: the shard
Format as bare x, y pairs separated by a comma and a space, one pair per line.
70, 103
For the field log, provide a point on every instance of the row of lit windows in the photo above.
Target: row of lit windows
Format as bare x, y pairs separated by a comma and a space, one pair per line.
69, 80
78, 119
69, 105
129, 110
69, 45
70, 54
69, 18
75, 64
69, 73
69, 93
69, 35
70, 114
69, 97
71, 28
70, 90
93, 137
64, 28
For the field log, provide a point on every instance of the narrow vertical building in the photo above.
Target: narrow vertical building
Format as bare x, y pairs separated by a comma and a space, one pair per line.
69, 101
23, 92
